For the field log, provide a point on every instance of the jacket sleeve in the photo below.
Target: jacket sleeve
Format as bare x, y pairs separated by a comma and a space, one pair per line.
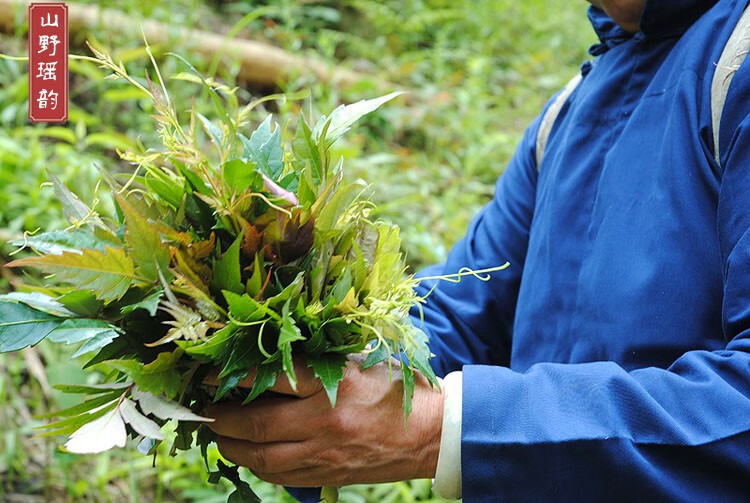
590, 431
471, 321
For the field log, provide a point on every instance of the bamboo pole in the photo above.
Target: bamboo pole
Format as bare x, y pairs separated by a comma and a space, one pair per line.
261, 64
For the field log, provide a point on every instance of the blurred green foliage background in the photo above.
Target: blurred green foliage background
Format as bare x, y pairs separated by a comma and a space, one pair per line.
478, 71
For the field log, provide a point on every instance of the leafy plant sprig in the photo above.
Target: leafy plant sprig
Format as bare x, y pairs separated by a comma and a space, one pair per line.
235, 257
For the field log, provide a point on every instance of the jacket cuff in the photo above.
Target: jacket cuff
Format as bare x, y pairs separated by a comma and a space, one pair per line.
447, 482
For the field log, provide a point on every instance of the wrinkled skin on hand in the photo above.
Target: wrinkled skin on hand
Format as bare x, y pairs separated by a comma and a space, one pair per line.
626, 13
297, 439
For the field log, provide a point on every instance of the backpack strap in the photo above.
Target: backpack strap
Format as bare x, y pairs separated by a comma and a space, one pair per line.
731, 59
550, 116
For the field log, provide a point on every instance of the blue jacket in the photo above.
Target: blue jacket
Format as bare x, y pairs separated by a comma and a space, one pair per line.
612, 359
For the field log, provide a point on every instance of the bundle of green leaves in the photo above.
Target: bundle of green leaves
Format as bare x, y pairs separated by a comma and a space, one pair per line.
243, 257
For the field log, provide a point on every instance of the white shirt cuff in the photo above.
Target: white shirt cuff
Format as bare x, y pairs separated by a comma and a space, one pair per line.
447, 482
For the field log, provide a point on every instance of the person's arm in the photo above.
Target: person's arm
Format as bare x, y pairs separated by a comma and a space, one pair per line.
593, 429
471, 321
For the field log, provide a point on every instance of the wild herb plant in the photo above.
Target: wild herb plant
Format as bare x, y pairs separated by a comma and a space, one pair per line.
241, 257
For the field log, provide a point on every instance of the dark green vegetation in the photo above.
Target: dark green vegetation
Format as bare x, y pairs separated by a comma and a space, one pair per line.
478, 71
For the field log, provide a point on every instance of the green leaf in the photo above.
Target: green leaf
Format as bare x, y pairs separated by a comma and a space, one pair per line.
195, 182
217, 345
419, 354
84, 407
96, 333
213, 131
344, 116
160, 376
214, 477
288, 333
109, 273
118, 348
289, 293
330, 370
290, 182
168, 190
91, 389
342, 286
56, 242
96, 343
127, 367
38, 301
338, 333
140, 423
240, 175
246, 309
243, 493
255, 283
230, 382
184, 439
205, 303
367, 241
379, 354
81, 302
244, 354
316, 344
205, 436
307, 188
334, 208
265, 378
73, 209
264, 148
70, 424
150, 304
77, 330
227, 275
22, 326
143, 242
408, 376
349, 303
305, 148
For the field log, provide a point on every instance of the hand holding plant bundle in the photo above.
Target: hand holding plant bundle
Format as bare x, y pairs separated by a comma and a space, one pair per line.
215, 264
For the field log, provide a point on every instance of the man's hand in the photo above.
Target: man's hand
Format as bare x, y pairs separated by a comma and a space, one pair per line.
301, 441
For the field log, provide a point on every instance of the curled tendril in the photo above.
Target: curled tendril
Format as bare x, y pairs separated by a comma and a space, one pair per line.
260, 341
131, 179
246, 323
378, 334
269, 203
137, 191
481, 275
381, 340
26, 235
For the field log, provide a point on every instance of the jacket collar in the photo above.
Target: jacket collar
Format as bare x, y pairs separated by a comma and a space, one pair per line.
660, 19
671, 18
